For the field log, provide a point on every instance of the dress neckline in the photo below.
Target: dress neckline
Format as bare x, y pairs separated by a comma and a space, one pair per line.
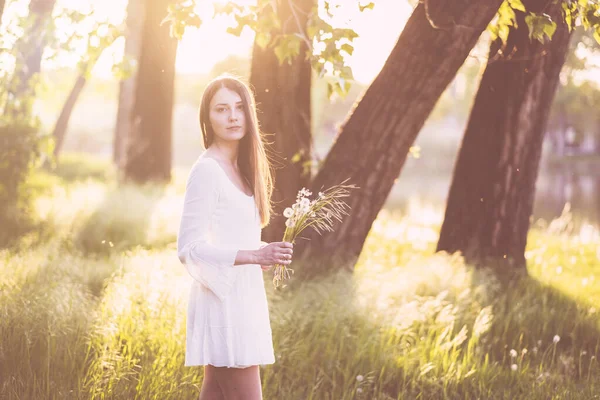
228, 179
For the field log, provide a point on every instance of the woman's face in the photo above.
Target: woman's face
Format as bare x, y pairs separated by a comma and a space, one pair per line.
227, 115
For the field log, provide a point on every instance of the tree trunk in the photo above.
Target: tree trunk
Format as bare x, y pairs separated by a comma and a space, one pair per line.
375, 139
283, 99
134, 23
491, 197
30, 48
60, 129
2, 4
148, 147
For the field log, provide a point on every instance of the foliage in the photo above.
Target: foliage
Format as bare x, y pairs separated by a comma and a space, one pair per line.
585, 13
327, 46
20, 148
575, 97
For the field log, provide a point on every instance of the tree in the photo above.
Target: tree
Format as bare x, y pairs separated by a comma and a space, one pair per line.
133, 39
148, 147
283, 96
2, 4
374, 141
491, 196
30, 48
99, 39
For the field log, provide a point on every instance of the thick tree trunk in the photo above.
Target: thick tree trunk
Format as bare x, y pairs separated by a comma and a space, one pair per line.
134, 23
283, 98
374, 141
60, 129
30, 48
492, 192
148, 148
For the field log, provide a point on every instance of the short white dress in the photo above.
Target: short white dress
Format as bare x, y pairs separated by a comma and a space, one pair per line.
228, 317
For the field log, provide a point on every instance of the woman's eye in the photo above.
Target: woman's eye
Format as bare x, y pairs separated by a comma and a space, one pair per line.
220, 109
240, 107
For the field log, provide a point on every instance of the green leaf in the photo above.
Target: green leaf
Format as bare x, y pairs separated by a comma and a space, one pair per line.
329, 90
503, 31
346, 72
235, 30
540, 25
597, 35
287, 47
296, 157
516, 5
549, 29
263, 39
366, 6
348, 48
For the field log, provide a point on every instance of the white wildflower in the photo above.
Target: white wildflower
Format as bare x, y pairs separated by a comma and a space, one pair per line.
360, 378
514, 367
584, 281
359, 390
289, 223
556, 339
288, 212
513, 353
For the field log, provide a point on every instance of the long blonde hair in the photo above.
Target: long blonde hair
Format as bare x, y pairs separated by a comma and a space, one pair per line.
252, 158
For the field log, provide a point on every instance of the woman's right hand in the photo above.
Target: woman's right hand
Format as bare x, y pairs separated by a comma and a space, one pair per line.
274, 253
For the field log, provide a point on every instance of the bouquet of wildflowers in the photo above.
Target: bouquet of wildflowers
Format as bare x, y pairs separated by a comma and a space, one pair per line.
319, 213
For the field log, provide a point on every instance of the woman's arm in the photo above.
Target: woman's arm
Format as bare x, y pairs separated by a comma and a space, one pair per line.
210, 265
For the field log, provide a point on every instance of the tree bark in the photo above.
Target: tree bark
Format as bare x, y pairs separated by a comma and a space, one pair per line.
375, 139
283, 98
134, 23
491, 196
60, 129
30, 49
148, 147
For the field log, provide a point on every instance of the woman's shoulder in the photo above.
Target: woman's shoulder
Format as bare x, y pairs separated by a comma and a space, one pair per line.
205, 168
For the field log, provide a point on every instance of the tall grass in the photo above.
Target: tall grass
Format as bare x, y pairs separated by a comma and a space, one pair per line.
97, 310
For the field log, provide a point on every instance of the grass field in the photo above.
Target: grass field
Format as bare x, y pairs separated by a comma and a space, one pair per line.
92, 305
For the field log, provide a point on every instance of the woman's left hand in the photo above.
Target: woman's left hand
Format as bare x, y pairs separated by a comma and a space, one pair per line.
265, 267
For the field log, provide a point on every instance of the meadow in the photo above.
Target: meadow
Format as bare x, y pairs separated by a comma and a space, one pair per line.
93, 301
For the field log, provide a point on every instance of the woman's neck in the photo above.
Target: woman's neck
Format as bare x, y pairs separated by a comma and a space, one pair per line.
226, 152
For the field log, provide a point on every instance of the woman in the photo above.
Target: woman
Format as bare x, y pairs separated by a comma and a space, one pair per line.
227, 202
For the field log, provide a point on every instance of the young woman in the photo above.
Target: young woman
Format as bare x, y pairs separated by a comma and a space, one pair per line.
227, 202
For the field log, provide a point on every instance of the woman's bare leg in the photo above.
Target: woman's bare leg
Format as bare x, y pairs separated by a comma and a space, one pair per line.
210, 387
240, 383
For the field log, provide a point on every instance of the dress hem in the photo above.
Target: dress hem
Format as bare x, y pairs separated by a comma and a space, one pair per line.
227, 366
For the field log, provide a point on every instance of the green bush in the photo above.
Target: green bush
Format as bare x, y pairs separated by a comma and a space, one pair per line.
19, 150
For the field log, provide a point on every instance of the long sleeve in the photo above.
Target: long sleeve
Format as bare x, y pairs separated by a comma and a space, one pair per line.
209, 264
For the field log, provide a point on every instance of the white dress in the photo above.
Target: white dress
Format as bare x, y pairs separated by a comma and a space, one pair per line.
228, 318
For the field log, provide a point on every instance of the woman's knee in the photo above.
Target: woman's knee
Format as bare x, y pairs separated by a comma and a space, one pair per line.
211, 390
